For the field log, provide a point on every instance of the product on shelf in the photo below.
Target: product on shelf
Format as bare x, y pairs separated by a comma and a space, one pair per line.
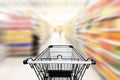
101, 41
107, 46
94, 54
111, 46
18, 36
117, 23
111, 34
89, 34
95, 26
112, 62
114, 36
109, 74
116, 66
109, 58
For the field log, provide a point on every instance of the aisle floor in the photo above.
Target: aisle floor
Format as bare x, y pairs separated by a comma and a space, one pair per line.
12, 68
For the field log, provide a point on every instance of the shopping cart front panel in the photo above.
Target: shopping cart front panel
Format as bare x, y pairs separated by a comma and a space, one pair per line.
64, 51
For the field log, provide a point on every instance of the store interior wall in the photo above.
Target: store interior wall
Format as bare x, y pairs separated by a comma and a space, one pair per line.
92, 26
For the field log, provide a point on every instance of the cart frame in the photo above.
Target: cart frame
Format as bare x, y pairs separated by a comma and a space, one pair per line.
60, 67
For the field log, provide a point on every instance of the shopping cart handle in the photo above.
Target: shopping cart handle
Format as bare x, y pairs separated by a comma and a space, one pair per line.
25, 61
51, 46
93, 62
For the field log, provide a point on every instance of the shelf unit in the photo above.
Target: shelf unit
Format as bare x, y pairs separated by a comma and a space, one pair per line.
18, 31
18, 34
3, 47
100, 37
95, 53
43, 31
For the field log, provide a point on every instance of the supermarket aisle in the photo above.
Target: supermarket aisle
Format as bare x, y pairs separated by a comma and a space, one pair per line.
13, 68
55, 39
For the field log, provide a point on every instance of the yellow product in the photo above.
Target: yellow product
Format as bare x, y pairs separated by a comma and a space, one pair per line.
94, 35
29, 39
96, 45
85, 34
18, 33
93, 44
104, 34
107, 11
86, 41
108, 24
117, 23
98, 57
113, 35
110, 75
95, 28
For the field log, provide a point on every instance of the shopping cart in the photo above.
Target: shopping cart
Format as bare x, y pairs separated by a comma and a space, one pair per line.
60, 62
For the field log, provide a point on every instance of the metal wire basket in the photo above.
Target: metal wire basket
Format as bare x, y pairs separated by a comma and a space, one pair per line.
60, 62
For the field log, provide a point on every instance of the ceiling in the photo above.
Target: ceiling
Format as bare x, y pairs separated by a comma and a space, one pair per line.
56, 12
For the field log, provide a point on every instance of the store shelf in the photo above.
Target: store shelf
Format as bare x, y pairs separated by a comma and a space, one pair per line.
94, 56
93, 48
105, 63
111, 42
108, 73
109, 53
3, 50
112, 68
100, 35
92, 24
89, 32
80, 41
98, 61
109, 17
110, 30
86, 38
101, 73
100, 51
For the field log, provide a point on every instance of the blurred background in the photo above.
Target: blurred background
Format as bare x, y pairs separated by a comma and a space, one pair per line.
28, 26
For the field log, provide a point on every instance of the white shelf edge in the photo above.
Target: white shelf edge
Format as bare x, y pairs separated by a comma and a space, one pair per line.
95, 49
89, 32
105, 63
115, 71
111, 42
108, 17
109, 53
110, 30
97, 68
101, 73
88, 39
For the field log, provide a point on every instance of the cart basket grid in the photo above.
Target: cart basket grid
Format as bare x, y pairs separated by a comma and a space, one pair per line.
60, 62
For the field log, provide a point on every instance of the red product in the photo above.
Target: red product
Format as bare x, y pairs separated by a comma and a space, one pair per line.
20, 23
107, 46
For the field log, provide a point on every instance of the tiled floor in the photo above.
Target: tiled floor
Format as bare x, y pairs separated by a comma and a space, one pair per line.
12, 68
